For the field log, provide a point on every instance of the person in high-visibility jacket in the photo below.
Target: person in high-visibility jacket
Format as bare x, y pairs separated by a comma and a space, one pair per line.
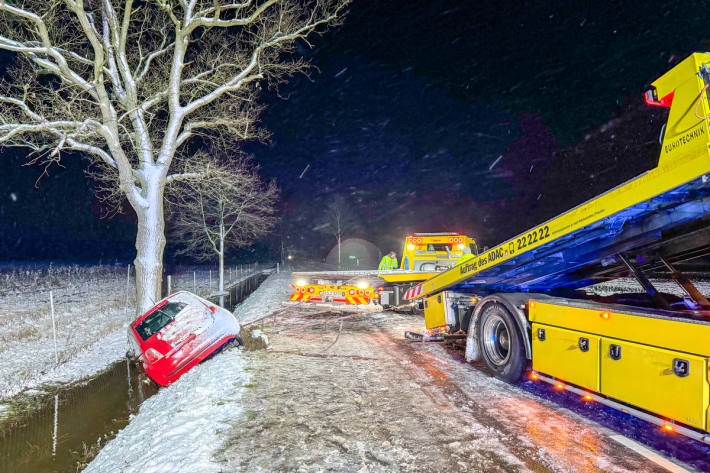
388, 261
467, 255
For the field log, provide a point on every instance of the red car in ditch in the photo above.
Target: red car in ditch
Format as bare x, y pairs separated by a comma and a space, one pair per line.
179, 332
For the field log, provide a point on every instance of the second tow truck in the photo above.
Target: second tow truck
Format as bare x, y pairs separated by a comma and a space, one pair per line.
424, 255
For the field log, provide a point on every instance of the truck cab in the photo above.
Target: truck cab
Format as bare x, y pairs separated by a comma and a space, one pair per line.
433, 252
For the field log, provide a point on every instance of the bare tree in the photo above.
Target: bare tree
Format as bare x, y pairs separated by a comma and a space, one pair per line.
132, 85
339, 219
228, 204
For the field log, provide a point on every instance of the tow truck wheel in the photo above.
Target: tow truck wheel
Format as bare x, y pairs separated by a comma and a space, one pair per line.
501, 343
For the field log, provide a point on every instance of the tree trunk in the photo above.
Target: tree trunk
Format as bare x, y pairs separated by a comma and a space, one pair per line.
150, 244
221, 272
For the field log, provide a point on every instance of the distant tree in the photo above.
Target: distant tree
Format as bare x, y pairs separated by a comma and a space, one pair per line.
339, 220
228, 205
131, 84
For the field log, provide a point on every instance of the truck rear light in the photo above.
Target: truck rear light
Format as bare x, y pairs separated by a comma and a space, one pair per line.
380, 288
311, 290
367, 292
352, 292
360, 292
152, 355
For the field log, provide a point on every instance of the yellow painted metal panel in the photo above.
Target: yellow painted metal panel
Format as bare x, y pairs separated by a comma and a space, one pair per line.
686, 135
689, 160
416, 248
680, 73
643, 376
677, 335
404, 277
560, 355
435, 311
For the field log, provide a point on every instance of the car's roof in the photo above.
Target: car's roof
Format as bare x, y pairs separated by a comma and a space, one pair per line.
181, 296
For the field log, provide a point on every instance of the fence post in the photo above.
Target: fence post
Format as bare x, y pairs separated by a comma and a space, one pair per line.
194, 282
54, 326
210, 279
54, 434
277, 268
128, 284
170, 284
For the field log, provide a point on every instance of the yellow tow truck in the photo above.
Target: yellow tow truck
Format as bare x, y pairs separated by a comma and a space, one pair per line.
423, 256
523, 306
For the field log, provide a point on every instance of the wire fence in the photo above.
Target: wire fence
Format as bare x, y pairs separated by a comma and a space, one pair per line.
50, 314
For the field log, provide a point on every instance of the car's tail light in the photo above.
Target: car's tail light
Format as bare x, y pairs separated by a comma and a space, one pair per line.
152, 355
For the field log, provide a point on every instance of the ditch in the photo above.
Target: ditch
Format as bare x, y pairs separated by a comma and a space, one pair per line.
62, 428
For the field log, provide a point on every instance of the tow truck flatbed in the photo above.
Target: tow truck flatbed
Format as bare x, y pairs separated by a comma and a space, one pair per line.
394, 275
634, 214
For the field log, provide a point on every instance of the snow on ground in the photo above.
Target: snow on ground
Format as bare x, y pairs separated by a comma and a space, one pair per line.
90, 323
91, 314
266, 299
87, 362
365, 400
180, 428
630, 285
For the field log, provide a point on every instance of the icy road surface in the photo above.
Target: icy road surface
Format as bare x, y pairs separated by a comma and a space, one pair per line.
371, 402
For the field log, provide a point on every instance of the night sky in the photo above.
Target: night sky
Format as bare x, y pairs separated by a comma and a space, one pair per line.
480, 117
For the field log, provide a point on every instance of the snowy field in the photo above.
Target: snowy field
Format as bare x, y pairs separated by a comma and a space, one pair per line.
93, 306
91, 311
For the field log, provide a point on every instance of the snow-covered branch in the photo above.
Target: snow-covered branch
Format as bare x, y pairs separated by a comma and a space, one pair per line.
130, 84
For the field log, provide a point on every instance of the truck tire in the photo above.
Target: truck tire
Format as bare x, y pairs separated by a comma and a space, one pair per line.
500, 343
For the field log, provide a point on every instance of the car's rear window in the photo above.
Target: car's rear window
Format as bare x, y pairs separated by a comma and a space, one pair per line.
159, 319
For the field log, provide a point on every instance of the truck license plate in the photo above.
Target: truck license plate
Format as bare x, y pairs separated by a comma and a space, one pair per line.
332, 294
